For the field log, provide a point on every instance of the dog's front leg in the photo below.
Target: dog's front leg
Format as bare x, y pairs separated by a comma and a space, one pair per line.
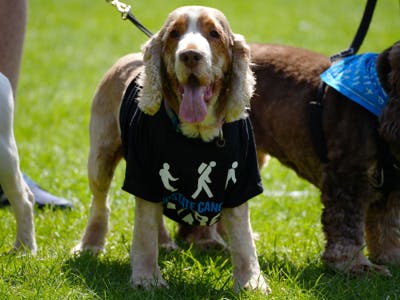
22, 201
343, 219
246, 269
14, 186
144, 251
382, 226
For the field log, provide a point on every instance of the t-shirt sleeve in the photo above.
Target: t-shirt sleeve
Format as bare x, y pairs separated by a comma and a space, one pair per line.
139, 180
249, 182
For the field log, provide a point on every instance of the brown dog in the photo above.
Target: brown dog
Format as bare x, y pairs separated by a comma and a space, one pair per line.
359, 185
360, 181
191, 88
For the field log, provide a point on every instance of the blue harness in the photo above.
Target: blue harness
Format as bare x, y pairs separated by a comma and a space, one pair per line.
356, 78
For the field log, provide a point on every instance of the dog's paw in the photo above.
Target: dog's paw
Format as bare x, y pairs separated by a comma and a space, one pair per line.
148, 283
25, 241
390, 257
358, 267
25, 248
351, 260
211, 244
368, 269
256, 282
81, 248
169, 246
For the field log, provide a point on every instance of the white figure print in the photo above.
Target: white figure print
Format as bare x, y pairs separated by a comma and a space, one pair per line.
231, 174
214, 220
202, 183
201, 219
166, 177
188, 219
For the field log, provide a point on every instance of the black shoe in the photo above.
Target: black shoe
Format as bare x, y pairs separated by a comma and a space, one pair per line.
42, 197
3, 198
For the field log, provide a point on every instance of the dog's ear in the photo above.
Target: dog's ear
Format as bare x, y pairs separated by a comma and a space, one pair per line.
242, 81
388, 68
394, 74
150, 95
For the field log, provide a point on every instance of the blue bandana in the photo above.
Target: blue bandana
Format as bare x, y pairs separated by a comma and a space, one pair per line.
356, 78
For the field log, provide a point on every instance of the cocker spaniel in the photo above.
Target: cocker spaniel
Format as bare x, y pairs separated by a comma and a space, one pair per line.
11, 181
354, 162
183, 129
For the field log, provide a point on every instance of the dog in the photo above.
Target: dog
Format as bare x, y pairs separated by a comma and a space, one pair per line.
181, 126
11, 180
357, 172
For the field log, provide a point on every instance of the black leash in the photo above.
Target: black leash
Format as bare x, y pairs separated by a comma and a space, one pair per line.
315, 107
125, 11
361, 32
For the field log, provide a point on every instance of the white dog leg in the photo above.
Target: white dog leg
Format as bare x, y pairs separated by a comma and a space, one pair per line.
11, 181
144, 251
246, 269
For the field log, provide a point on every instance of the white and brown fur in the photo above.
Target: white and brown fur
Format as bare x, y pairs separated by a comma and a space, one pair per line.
11, 181
195, 42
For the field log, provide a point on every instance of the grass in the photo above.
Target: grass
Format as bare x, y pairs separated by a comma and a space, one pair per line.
69, 46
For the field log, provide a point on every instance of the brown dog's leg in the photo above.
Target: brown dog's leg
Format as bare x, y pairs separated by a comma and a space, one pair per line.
343, 221
144, 250
164, 238
383, 230
203, 237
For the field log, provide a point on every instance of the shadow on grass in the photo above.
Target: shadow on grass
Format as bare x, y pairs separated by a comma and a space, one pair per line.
190, 275
318, 281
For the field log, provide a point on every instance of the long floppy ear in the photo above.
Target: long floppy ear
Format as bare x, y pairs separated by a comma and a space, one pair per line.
389, 120
242, 81
150, 95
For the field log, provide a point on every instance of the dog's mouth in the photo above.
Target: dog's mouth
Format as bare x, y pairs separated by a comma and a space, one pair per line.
195, 97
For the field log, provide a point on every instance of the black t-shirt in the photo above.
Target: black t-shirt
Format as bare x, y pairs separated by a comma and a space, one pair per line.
193, 179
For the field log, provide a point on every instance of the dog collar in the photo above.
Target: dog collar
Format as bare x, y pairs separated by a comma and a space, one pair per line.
173, 117
356, 78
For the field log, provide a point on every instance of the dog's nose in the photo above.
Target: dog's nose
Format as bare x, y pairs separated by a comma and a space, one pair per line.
190, 57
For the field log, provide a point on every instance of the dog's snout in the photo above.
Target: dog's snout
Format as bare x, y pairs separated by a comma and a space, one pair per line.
191, 57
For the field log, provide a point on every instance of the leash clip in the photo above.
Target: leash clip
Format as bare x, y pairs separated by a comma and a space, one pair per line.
342, 54
125, 11
122, 7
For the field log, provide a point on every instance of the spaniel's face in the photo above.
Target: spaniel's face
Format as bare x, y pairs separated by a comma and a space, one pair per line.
203, 70
196, 55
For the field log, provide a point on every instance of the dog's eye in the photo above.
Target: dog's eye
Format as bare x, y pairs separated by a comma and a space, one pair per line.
174, 34
214, 34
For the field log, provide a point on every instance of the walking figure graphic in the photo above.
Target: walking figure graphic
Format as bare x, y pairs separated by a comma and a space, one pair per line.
231, 174
166, 177
202, 183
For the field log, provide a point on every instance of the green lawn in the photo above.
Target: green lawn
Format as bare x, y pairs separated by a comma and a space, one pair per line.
69, 46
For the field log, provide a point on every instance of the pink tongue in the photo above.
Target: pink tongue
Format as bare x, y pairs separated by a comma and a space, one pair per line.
193, 108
